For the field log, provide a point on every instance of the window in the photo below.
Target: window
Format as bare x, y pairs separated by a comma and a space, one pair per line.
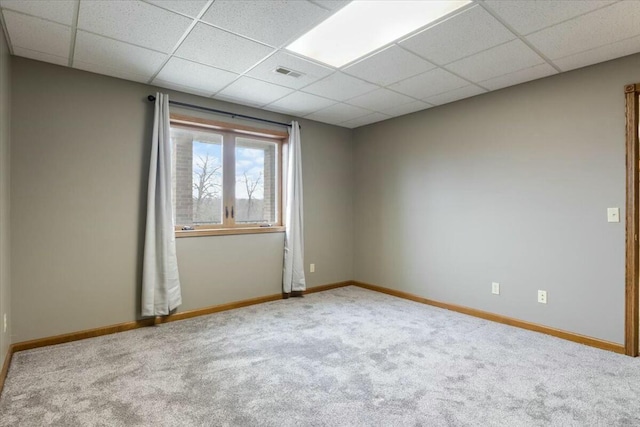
226, 180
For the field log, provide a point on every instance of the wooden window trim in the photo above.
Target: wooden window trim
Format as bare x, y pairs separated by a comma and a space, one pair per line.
278, 137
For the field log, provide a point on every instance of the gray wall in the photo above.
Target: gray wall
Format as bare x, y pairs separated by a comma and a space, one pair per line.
511, 186
5, 134
80, 148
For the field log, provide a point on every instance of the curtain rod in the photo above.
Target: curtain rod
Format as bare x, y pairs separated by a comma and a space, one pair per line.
228, 113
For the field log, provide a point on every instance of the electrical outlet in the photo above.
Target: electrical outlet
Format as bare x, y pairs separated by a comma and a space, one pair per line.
495, 288
312, 268
5, 322
542, 297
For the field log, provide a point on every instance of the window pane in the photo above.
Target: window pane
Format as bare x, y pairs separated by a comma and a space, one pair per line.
256, 181
197, 177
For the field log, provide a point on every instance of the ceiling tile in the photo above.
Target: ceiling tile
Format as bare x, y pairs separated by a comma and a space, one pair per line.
520, 76
389, 66
365, 120
338, 113
252, 91
454, 95
300, 103
380, 99
36, 34
212, 46
599, 54
180, 88
498, 61
101, 51
411, 107
187, 7
604, 26
526, 16
340, 87
461, 35
60, 11
39, 56
197, 76
134, 22
311, 71
430, 83
269, 22
332, 4
110, 71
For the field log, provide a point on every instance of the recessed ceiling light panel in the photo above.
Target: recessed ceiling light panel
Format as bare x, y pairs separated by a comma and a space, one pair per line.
363, 26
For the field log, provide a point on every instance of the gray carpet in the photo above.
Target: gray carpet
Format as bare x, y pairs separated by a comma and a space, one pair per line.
347, 357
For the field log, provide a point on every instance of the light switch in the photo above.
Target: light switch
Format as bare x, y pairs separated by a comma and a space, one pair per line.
613, 214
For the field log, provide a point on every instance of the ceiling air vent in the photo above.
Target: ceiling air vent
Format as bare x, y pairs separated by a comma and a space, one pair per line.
287, 72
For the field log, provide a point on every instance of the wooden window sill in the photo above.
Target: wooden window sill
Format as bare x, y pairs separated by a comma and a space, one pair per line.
229, 231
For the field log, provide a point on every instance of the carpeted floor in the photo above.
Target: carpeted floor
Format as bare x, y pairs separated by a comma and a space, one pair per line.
346, 357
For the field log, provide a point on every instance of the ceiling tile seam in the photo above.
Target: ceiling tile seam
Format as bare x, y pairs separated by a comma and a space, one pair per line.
349, 105
598, 47
244, 74
436, 22
324, 7
181, 40
6, 32
159, 6
437, 65
388, 87
572, 18
298, 91
515, 72
74, 33
519, 36
34, 16
235, 34
120, 41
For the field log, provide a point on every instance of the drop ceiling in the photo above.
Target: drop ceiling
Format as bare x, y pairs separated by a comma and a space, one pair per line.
230, 49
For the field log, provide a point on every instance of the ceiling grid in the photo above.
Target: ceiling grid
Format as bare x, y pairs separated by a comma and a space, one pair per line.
229, 50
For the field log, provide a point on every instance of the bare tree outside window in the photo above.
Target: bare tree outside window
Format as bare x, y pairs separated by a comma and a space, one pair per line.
206, 185
251, 185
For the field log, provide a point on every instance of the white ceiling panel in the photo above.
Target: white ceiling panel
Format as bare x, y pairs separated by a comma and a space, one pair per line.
331, 4
37, 34
252, 91
187, 7
520, 76
39, 56
338, 113
464, 34
269, 22
310, 71
389, 66
604, 26
498, 61
599, 54
430, 83
455, 95
380, 99
110, 71
180, 88
129, 59
133, 22
220, 49
409, 108
365, 120
197, 76
60, 11
340, 87
300, 103
526, 16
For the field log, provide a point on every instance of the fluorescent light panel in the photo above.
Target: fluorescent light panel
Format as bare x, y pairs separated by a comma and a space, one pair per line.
363, 26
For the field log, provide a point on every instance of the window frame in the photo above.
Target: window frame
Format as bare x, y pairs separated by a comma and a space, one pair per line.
228, 225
